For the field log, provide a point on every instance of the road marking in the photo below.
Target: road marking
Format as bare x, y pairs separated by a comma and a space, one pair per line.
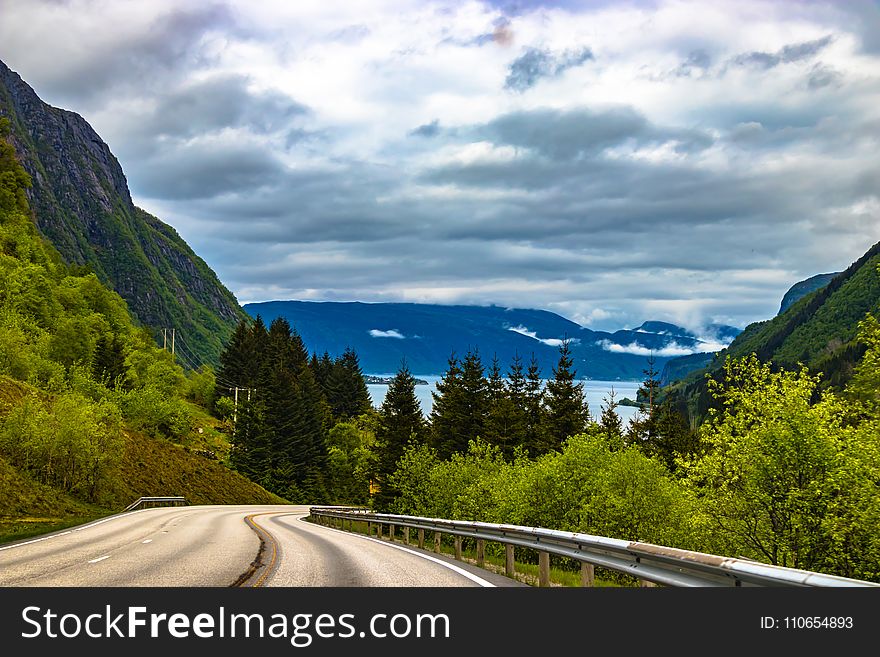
259, 528
106, 556
78, 529
149, 540
461, 571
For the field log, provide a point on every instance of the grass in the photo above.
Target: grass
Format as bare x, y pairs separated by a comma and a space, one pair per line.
16, 529
526, 572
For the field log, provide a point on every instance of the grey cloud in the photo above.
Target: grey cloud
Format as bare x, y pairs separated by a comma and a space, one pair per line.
823, 76
222, 101
535, 64
791, 53
203, 170
165, 48
431, 129
582, 132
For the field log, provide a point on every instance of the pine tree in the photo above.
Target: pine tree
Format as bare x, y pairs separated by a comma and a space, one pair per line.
643, 427
475, 399
448, 398
567, 413
610, 423
401, 423
236, 361
534, 409
346, 389
108, 362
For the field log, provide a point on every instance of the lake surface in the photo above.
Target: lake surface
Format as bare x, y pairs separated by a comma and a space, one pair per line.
594, 391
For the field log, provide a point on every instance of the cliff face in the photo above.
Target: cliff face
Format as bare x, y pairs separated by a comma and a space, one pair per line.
803, 288
82, 204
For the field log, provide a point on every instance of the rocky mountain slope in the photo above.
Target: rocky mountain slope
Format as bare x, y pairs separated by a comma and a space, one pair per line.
82, 204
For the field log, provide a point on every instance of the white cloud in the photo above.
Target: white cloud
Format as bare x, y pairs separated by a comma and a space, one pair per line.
671, 350
550, 342
393, 333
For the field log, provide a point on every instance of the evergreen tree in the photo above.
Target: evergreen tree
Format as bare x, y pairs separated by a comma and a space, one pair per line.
236, 361
401, 423
475, 399
534, 409
108, 362
446, 425
346, 389
505, 421
567, 412
643, 427
610, 423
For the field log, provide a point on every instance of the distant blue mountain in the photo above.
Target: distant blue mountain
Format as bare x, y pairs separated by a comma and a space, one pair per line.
383, 334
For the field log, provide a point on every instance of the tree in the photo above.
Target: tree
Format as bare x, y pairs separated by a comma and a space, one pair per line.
446, 435
346, 389
401, 424
108, 362
505, 420
533, 405
610, 423
567, 412
767, 479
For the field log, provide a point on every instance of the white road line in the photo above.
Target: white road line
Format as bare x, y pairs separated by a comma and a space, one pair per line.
149, 540
78, 529
106, 556
461, 571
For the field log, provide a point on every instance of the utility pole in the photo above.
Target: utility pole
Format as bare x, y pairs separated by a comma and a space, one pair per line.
164, 339
235, 408
172, 343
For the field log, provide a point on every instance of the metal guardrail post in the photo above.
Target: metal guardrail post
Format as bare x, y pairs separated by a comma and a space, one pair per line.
421, 538
437, 542
509, 563
481, 552
588, 574
543, 569
458, 548
406, 535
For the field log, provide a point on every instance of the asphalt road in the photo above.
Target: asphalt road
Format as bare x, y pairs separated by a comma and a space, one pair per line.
225, 546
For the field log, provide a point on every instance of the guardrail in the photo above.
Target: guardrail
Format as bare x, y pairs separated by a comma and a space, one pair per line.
651, 564
155, 501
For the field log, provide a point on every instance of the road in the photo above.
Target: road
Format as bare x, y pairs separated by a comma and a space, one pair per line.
222, 546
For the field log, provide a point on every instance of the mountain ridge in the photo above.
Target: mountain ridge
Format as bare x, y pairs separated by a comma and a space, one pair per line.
427, 334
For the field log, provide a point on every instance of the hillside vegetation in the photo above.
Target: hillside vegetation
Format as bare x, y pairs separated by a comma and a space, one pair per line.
89, 405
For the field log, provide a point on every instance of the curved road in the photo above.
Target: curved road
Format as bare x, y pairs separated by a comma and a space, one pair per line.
218, 546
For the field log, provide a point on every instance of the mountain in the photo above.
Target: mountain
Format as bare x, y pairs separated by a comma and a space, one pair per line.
425, 335
818, 330
679, 367
82, 204
803, 288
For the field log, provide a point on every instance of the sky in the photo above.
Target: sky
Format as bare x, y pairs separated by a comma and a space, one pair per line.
613, 162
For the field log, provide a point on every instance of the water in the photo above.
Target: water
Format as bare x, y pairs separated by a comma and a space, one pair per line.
594, 391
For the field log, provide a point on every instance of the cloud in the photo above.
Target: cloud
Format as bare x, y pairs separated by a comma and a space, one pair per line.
550, 342
787, 54
431, 129
535, 64
393, 333
671, 350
